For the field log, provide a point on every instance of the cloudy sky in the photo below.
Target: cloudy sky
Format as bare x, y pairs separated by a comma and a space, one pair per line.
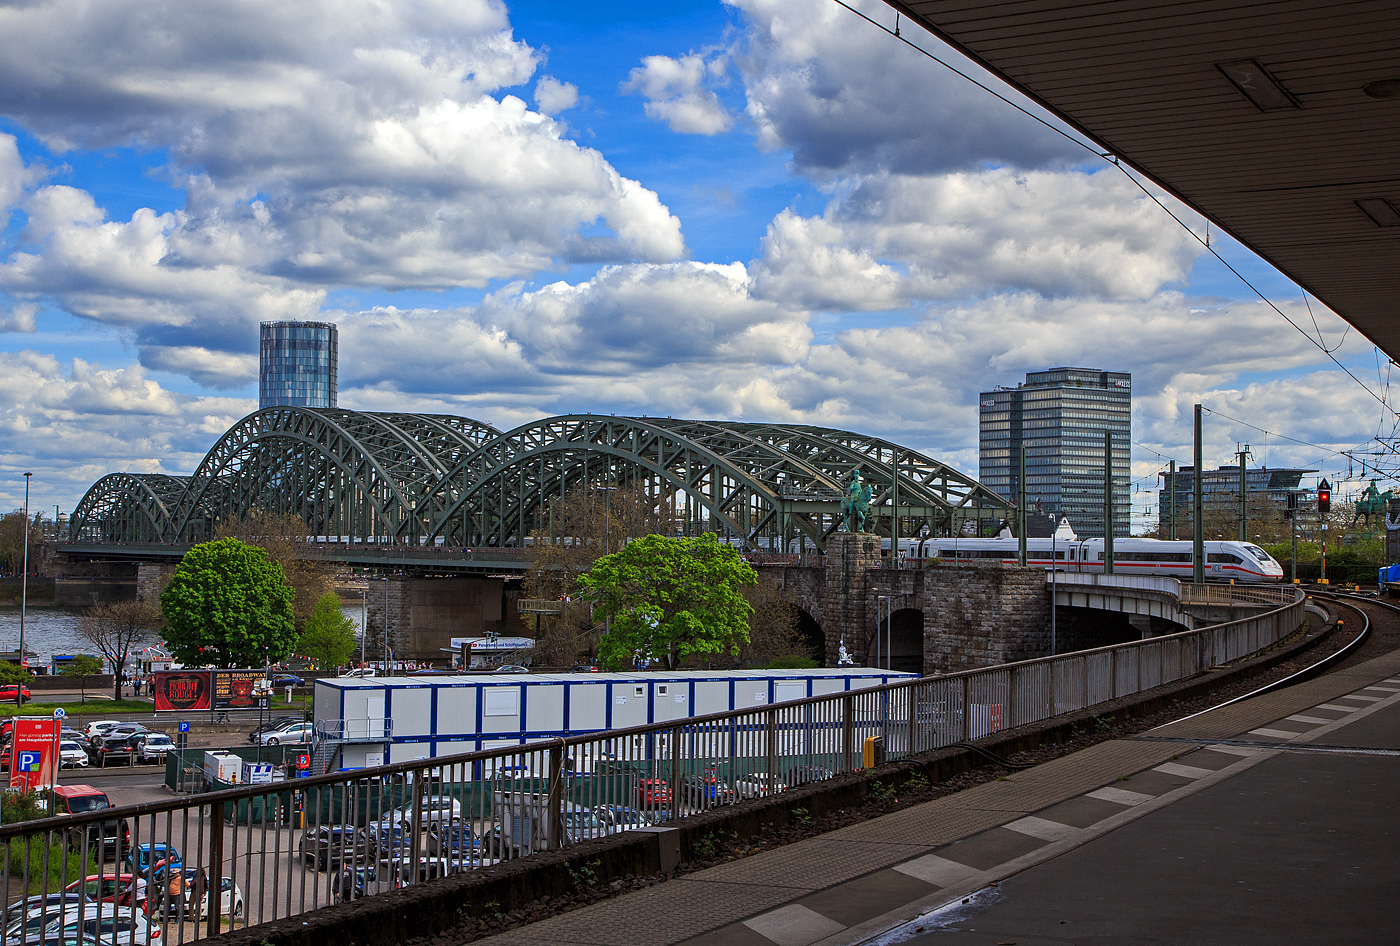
751, 209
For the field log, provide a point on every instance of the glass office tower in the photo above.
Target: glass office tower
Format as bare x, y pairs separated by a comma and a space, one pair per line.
1060, 416
297, 364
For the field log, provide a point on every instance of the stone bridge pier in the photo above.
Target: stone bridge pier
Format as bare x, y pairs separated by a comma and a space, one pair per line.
934, 618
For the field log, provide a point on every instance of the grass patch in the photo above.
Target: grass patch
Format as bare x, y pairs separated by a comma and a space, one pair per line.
90, 708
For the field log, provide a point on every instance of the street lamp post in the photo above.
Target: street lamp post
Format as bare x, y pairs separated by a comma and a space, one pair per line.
24, 578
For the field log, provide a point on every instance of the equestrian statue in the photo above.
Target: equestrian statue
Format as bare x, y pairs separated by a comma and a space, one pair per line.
855, 504
1372, 503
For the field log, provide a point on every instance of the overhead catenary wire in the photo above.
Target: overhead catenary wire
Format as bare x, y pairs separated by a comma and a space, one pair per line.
1114, 159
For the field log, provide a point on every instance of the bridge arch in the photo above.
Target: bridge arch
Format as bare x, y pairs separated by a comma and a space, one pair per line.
408, 478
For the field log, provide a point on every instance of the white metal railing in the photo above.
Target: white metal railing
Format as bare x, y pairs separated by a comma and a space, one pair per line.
298, 845
354, 730
1166, 586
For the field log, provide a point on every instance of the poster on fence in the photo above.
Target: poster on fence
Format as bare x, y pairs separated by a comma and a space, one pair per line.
178, 690
34, 753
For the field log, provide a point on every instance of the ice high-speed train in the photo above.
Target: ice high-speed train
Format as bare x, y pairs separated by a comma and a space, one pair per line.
1240, 561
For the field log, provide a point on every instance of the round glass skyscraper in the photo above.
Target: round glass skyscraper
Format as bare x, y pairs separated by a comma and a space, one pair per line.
297, 364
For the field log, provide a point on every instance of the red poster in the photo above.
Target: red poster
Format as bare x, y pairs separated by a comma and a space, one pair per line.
182, 690
34, 753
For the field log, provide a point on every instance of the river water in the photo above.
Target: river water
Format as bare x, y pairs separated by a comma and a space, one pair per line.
49, 631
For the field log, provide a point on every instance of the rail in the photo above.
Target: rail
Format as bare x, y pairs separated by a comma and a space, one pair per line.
284, 848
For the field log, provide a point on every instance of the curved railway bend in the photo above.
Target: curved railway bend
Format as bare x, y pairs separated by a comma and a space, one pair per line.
1270, 819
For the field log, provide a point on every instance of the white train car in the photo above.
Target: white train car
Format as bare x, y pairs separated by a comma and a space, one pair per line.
397, 719
1225, 561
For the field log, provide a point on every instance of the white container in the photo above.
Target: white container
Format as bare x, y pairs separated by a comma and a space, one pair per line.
257, 773
223, 767
396, 719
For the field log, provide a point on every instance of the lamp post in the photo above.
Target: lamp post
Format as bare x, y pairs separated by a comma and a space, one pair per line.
24, 577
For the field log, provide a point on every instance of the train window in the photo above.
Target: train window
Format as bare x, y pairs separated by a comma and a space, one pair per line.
1258, 553
1224, 558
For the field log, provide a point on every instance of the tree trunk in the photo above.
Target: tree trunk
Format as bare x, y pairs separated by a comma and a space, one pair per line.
117, 666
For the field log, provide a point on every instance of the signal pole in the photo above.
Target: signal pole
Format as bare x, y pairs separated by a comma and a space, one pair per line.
1324, 506
1244, 521
1198, 533
1171, 494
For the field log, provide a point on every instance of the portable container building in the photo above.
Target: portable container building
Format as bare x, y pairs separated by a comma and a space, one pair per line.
383, 720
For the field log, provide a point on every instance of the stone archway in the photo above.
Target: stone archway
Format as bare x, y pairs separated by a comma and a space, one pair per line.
902, 648
810, 636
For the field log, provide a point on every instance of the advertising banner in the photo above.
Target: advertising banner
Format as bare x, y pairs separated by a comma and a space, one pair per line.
183, 690
237, 689
34, 753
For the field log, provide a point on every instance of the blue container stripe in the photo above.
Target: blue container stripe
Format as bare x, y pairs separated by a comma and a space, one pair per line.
568, 709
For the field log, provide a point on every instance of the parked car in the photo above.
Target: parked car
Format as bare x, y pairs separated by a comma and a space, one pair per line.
152, 746
71, 755
584, 668
435, 808
387, 842
230, 900
706, 790
146, 856
105, 838
280, 680
758, 785
112, 748
511, 668
74, 735
802, 774
100, 726
280, 722
455, 842
113, 925
332, 845
616, 818
295, 734
16, 693
110, 888
653, 794
26, 921
359, 672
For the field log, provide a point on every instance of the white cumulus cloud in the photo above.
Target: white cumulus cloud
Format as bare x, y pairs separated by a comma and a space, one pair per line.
676, 92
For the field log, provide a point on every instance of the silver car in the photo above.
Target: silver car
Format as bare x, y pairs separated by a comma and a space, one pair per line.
153, 746
72, 755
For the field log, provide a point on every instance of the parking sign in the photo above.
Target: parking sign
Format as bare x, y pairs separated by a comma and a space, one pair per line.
30, 761
184, 725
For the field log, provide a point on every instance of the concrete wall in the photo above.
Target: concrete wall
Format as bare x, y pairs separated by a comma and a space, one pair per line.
86, 592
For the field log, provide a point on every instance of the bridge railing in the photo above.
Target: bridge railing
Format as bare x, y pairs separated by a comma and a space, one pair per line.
292, 846
1166, 586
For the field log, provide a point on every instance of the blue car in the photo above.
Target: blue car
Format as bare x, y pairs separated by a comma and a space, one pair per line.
281, 680
141, 860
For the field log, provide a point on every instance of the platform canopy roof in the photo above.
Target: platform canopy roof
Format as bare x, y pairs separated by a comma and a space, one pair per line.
1279, 121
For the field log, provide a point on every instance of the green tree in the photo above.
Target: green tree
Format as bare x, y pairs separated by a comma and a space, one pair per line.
14, 673
669, 598
228, 605
328, 637
83, 666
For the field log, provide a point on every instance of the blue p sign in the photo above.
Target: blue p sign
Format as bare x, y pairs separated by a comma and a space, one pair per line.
29, 761
184, 725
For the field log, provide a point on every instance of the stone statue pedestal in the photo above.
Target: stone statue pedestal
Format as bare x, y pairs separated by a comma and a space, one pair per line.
849, 558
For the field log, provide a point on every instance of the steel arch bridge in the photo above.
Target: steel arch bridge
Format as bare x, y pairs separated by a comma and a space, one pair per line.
395, 479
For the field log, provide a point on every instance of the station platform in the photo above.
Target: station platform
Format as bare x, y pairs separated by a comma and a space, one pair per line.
1271, 820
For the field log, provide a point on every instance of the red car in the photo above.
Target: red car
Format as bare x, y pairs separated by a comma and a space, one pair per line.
653, 793
14, 693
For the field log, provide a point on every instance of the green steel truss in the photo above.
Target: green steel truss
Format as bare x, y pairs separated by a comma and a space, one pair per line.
384, 478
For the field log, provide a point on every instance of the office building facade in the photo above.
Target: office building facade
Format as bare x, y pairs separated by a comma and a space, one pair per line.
297, 364
1266, 494
1060, 416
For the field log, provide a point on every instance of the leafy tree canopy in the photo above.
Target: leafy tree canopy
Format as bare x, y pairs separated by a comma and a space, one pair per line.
328, 637
669, 598
14, 673
228, 605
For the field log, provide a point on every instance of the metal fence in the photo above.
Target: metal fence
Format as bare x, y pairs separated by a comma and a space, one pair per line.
270, 851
